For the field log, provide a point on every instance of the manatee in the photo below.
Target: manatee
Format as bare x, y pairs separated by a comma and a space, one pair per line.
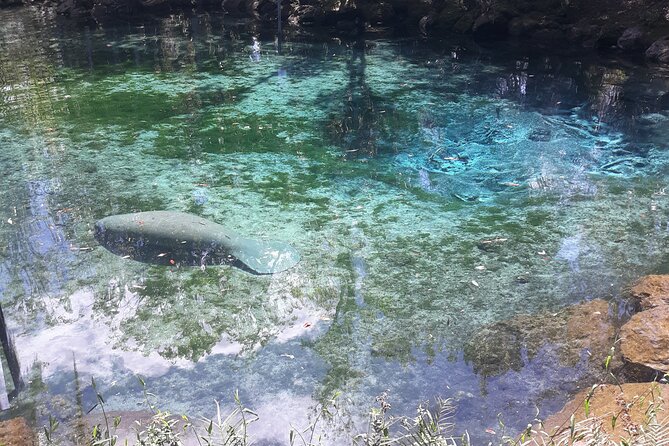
178, 238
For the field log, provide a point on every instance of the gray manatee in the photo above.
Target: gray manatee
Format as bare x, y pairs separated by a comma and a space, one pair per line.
171, 238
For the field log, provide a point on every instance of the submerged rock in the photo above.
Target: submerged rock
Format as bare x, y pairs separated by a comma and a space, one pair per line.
631, 404
631, 39
651, 291
540, 135
525, 24
659, 50
586, 328
644, 339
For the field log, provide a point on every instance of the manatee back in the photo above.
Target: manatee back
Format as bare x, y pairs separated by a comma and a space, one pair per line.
191, 238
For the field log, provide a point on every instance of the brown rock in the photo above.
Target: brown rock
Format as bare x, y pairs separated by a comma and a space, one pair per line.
651, 291
590, 327
644, 339
631, 404
16, 432
583, 328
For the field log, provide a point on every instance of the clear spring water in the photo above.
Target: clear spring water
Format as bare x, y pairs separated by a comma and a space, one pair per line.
387, 163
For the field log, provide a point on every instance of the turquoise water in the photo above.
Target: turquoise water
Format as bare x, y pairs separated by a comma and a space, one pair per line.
431, 188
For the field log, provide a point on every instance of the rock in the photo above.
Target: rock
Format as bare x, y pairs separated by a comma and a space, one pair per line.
549, 37
377, 13
631, 40
663, 101
630, 403
659, 50
644, 339
651, 291
525, 24
448, 17
580, 330
490, 25
348, 21
237, 8
585, 34
540, 135
16, 432
494, 350
464, 23
492, 244
609, 35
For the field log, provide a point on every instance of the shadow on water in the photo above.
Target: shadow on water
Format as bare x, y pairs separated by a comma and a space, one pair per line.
356, 128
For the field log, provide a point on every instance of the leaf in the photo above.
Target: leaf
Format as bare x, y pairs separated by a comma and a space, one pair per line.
572, 426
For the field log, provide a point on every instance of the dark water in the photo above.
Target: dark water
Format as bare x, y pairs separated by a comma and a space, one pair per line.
389, 164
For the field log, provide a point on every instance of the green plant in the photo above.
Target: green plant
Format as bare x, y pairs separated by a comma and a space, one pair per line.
50, 430
232, 430
103, 435
427, 428
160, 431
308, 436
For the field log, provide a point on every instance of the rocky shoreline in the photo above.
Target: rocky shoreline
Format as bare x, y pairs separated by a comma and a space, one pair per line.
626, 401
636, 27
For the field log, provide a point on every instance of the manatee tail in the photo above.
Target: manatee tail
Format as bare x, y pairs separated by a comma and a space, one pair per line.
265, 257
